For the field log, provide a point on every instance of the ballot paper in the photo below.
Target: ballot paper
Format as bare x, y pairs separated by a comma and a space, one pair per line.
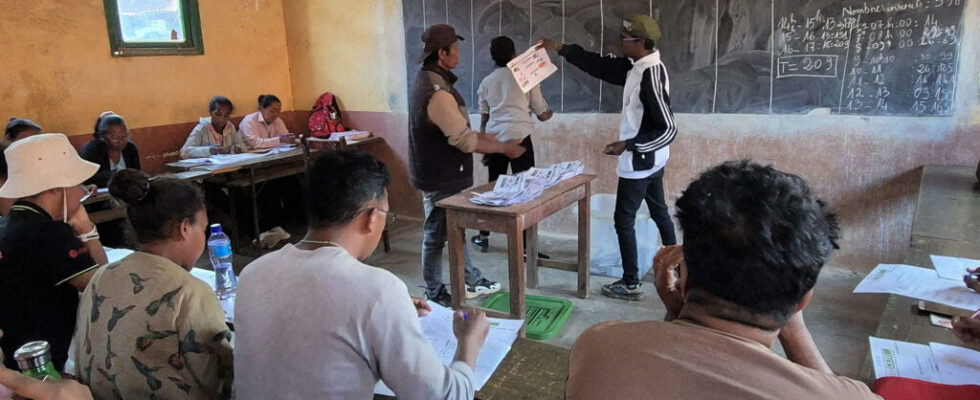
953, 267
437, 327
222, 159
528, 185
531, 68
903, 359
919, 283
936, 362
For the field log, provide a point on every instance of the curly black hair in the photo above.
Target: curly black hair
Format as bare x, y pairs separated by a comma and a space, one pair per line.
755, 236
339, 185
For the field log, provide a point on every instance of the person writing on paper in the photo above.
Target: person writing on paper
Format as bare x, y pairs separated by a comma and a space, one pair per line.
215, 134
145, 319
504, 108
967, 329
645, 133
264, 129
755, 240
314, 322
440, 144
51, 248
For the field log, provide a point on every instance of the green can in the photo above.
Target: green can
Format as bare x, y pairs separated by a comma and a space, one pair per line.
34, 360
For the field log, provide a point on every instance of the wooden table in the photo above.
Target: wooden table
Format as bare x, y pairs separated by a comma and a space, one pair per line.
249, 175
947, 222
513, 221
532, 370
115, 211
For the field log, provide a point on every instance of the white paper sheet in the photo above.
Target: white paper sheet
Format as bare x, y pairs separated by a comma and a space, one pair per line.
919, 283
116, 254
437, 327
531, 68
953, 267
957, 365
903, 359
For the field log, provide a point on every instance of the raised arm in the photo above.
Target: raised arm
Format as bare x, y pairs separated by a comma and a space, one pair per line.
610, 69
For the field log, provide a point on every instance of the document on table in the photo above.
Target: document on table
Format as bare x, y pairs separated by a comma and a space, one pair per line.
953, 267
919, 283
527, 185
437, 327
531, 68
222, 159
937, 362
114, 255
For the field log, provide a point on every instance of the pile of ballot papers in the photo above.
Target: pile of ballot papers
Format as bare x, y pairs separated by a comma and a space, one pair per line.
527, 185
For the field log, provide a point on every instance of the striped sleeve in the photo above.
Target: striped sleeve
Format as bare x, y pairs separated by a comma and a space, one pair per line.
657, 128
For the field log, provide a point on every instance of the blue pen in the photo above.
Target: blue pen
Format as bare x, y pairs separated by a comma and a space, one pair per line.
466, 317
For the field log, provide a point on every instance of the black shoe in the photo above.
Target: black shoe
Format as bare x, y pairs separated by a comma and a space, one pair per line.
541, 256
482, 243
442, 297
620, 290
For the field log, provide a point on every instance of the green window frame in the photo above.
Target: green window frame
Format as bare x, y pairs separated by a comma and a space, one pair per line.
192, 44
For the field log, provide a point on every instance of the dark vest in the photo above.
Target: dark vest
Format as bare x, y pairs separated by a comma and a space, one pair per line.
435, 165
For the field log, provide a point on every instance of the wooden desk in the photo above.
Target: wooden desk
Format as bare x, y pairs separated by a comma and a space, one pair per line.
514, 220
116, 210
250, 174
532, 370
946, 223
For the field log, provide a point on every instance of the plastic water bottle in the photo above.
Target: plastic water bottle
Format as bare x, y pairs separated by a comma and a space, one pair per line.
219, 247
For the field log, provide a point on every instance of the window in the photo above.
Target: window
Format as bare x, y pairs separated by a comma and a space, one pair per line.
153, 27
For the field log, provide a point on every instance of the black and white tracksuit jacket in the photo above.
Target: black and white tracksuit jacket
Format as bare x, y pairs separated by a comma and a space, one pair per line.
647, 125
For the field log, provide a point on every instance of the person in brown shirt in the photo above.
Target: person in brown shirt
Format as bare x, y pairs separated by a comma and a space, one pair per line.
755, 240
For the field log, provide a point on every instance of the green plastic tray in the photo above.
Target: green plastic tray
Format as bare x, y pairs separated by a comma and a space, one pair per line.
545, 315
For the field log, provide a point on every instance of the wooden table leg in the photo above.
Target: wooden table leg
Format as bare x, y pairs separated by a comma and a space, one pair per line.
531, 249
515, 262
583, 243
255, 202
457, 268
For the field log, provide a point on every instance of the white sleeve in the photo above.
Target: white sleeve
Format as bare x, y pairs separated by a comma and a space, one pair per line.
195, 146
405, 360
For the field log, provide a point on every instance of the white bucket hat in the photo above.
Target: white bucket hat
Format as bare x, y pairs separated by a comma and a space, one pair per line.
43, 162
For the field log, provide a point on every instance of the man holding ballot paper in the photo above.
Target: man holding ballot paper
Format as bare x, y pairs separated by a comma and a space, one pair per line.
645, 132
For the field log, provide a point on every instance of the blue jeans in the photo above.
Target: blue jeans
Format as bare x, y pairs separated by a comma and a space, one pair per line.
434, 241
629, 194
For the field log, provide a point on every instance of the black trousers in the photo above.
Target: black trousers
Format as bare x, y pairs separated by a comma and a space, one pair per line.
629, 194
497, 164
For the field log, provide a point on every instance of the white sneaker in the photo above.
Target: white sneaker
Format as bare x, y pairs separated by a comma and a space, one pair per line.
272, 237
482, 287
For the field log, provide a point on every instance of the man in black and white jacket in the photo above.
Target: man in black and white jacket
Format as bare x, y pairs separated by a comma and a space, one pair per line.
646, 130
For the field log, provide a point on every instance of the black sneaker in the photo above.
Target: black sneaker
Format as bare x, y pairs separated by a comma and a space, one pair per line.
620, 290
442, 297
481, 287
482, 243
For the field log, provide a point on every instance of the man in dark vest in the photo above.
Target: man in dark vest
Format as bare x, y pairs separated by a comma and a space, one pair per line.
441, 144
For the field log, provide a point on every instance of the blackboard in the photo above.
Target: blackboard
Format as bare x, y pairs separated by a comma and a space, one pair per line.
877, 57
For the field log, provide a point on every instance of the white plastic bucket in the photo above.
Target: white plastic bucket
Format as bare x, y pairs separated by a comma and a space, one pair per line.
605, 259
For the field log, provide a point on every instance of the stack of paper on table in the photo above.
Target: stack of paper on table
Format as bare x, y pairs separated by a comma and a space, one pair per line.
937, 362
437, 327
527, 185
919, 283
349, 135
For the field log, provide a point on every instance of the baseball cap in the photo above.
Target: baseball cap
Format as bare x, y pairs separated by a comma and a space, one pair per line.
18, 123
437, 37
643, 26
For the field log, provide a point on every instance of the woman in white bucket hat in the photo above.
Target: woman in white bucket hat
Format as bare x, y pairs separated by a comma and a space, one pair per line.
51, 249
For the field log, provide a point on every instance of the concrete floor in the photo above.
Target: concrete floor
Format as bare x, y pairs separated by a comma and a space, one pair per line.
839, 321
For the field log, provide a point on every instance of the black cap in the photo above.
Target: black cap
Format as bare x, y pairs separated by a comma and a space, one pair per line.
437, 37
17, 124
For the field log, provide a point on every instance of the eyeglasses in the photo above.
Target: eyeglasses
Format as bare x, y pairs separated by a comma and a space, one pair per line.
87, 191
390, 217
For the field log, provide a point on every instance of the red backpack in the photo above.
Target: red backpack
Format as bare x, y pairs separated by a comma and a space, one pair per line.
325, 117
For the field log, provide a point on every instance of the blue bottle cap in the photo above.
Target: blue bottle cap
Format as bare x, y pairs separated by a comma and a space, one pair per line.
215, 228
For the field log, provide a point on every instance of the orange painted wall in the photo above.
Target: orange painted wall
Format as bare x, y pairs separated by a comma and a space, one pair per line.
58, 71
